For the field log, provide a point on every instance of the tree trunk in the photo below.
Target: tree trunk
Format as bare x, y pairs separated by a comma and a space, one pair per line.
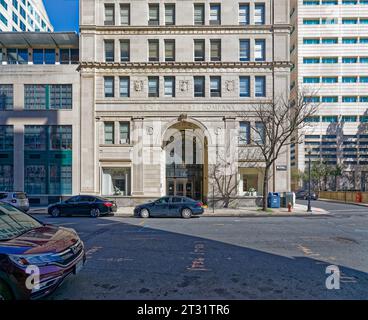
265, 188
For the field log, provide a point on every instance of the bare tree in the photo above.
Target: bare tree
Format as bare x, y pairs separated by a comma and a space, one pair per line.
223, 174
278, 124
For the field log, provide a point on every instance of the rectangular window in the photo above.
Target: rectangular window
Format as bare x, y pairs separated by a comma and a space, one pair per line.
244, 134
124, 50
169, 14
124, 87
6, 97
109, 14
61, 138
260, 50
109, 132
244, 86
109, 51
50, 56
48, 97
35, 179
17, 56
199, 87
154, 14
244, 14
215, 86
125, 14
169, 50
109, 87
169, 86
199, 14
199, 50
215, 50
60, 179
153, 87
244, 50
6, 138
259, 133
124, 132
215, 14
153, 50
37, 56
260, 86
35, 138
259, 13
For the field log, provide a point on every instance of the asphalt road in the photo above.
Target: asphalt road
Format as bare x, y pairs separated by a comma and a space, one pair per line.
221, 258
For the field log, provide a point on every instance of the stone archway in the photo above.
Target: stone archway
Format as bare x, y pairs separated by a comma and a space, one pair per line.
185, 147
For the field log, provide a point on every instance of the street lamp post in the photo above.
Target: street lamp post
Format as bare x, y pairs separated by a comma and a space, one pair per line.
309, 183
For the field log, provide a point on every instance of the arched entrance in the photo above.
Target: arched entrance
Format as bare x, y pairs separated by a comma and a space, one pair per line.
186, 167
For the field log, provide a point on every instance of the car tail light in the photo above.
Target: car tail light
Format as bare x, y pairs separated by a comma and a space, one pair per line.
108, 204
199, 204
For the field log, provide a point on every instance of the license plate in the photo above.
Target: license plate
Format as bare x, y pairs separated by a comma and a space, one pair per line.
78, 267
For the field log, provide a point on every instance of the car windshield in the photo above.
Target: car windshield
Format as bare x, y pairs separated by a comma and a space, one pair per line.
14, 222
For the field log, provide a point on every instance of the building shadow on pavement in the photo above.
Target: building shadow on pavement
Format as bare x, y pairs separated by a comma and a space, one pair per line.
128, 261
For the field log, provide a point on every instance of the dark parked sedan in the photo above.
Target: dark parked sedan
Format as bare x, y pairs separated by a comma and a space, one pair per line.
47, 253
83, 205
170, 207
303, 194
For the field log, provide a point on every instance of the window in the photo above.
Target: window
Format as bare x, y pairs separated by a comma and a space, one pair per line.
38, 56
153, 87
109, 51
17, 56
35, 179
124, 87
46, 97
260, 86
169, 86
215, 50
244, 50
260, 50
125, 14
50, 56
259, 13
124, 132
169, 14
244, 14
215, 14
215, 83
109, 14
199, 50
199, 86
61, 138
6, 138
116, 181
199, 14
154, 14
124, 50
60, 179
109, 87
109, 132
35, 138
259, 133
153, 50
244, 134
169, 50
69, 56
6, 97
244, 87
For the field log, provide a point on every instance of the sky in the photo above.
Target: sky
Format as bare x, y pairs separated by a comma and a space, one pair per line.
63, 14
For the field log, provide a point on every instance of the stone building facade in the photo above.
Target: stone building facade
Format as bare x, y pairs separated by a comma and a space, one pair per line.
164, 85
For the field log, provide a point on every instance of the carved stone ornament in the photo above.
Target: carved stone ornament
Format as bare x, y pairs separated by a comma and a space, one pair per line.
183, 117
184, 85
230, 85
149, 131
138, 85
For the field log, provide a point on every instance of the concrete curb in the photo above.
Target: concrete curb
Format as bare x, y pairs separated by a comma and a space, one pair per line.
343, 202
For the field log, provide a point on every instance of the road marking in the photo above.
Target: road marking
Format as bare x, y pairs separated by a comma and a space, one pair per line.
198, 263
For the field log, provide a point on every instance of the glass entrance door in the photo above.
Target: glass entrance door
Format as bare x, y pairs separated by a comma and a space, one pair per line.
184, 187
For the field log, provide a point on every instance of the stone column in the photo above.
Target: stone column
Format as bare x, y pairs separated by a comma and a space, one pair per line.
137, 140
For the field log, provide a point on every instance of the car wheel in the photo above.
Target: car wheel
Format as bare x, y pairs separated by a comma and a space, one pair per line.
144, 213
5, 293
55, 212
95, 213
186, 213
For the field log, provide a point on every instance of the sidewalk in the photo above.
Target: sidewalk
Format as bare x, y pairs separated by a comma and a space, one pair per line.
345, 202
297, 211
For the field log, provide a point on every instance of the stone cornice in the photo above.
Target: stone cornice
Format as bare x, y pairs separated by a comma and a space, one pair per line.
223, 29
184, 65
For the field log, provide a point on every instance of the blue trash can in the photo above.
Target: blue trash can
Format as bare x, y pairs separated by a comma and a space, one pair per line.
273, 200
